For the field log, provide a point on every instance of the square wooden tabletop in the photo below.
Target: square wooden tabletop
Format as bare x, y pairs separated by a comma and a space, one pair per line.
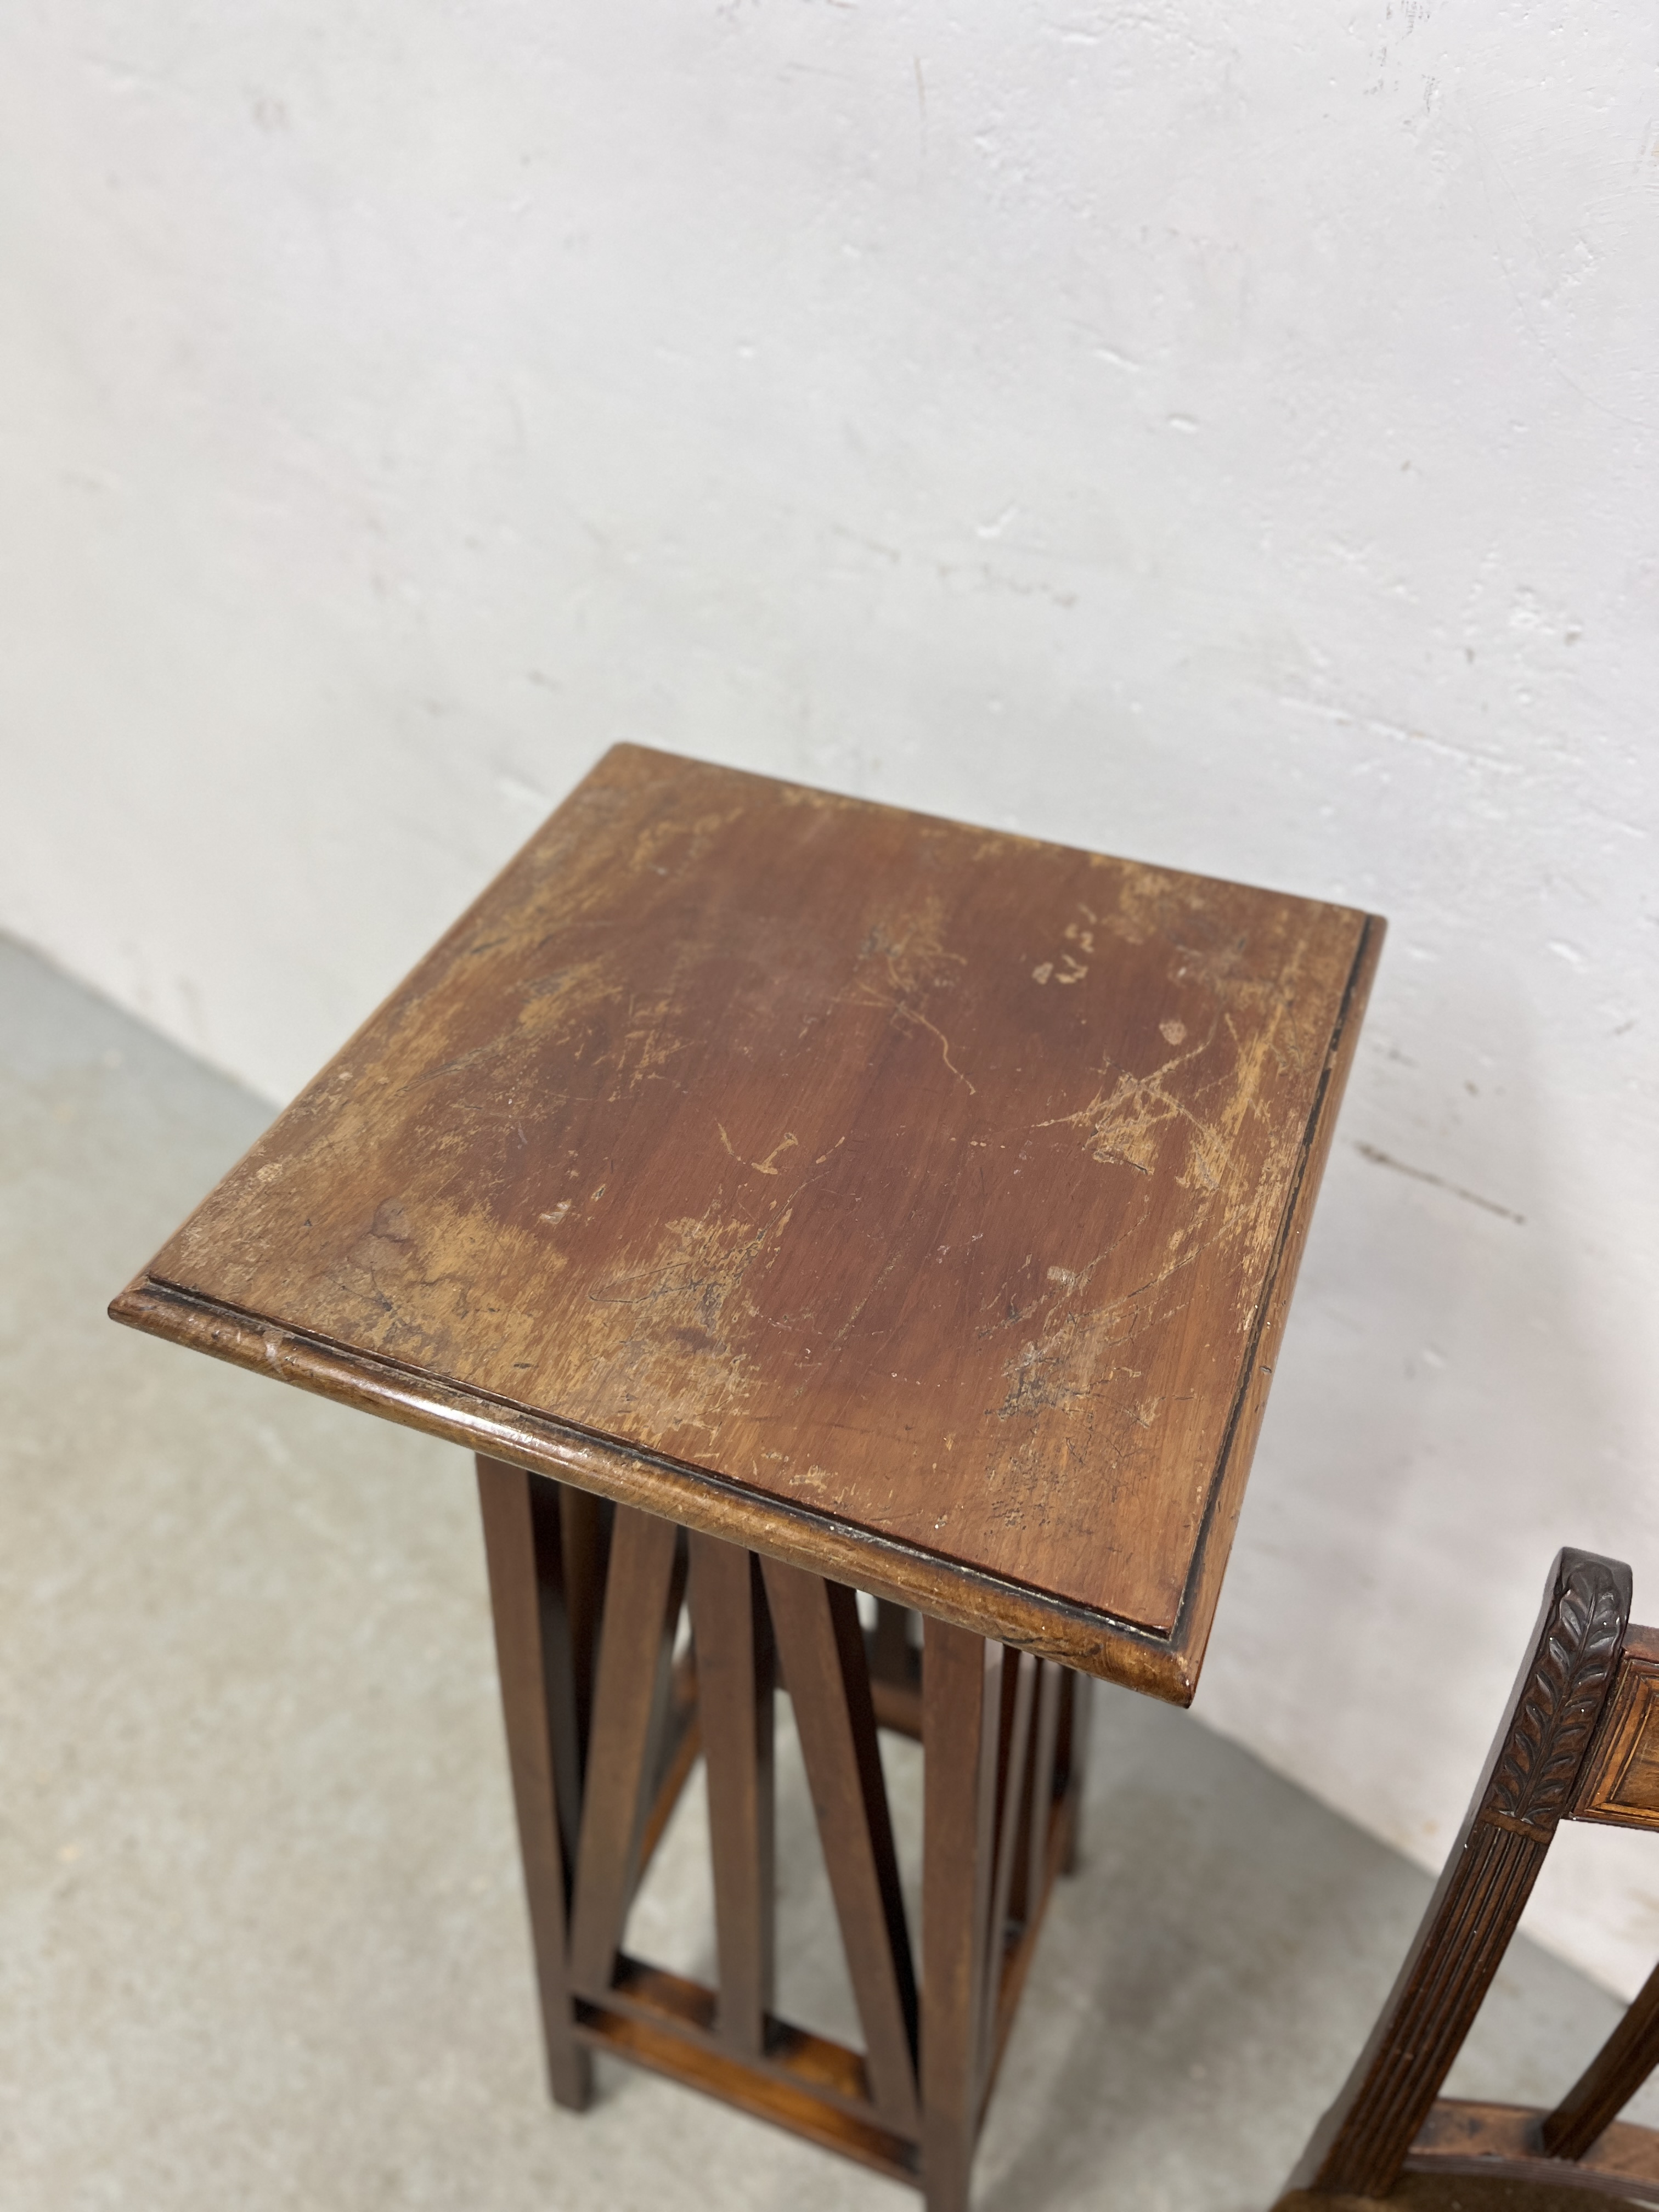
914, 1202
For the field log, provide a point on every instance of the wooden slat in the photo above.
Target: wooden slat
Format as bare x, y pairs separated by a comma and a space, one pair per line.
1019, 1872
890, 1644
1031, 1876
564, 1592
585, 1525
631, 1701
1019, 1688
1017, 1963
898, 1707
522, 1565
732, 1637
1076, 1712
679, 1740
795, 2055
816, 1626
1610, 2081
895, 1671
657, 2021
962, 1690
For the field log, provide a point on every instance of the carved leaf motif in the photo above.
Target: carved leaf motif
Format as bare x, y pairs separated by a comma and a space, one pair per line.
1540, 1761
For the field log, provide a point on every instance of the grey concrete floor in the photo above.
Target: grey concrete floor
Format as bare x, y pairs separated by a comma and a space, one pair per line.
262, 1943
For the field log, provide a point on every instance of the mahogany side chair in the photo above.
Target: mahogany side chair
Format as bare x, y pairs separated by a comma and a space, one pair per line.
1579, 1741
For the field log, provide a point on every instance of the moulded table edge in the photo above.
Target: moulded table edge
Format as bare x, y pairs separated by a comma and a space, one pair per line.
720, 1505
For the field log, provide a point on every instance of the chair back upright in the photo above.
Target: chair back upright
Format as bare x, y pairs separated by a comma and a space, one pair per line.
1579, 1741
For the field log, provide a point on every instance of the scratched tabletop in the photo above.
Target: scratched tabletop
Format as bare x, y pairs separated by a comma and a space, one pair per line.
915, 1201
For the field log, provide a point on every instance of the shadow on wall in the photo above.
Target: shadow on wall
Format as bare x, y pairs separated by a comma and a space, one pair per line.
1442, 1420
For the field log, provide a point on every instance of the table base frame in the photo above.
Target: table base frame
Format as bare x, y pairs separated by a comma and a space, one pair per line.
605, 1724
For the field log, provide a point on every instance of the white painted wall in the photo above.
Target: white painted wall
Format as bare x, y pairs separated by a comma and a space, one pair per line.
1221, 436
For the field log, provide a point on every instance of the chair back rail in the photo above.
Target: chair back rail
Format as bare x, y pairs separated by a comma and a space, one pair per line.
1579, 1740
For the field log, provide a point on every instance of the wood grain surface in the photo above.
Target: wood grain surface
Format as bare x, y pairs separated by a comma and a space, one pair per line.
932, 1193
1621, 1786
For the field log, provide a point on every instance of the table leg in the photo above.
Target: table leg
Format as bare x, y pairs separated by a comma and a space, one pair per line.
527, 1598
962, 1722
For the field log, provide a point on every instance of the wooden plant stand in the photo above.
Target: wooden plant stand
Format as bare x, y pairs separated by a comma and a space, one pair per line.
785, 1196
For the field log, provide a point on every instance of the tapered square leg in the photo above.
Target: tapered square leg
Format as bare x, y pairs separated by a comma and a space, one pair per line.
528, 1600
962, 1720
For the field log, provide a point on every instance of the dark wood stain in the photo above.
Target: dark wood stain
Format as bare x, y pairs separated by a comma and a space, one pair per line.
577, 1606
1566, 1749
930, 1195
